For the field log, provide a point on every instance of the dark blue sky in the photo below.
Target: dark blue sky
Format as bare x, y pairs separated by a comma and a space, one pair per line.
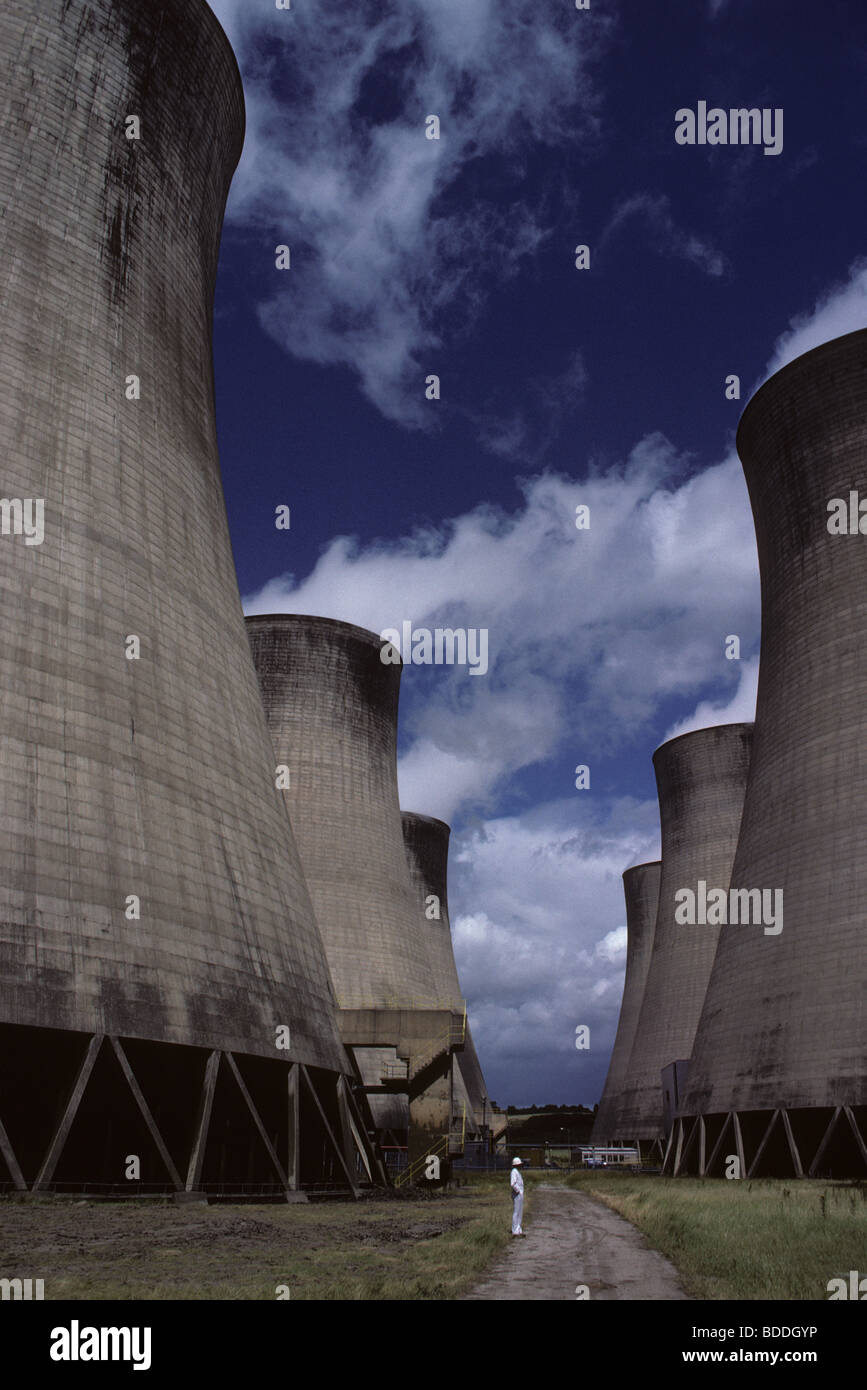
557, 129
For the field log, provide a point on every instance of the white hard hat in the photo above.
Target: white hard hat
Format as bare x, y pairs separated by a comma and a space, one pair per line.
514, 1161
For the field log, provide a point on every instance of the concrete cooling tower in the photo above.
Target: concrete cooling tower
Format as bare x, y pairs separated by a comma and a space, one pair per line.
426, 841
700, 778
427, 849
162, 978
332, 708
779, 1073
641, 890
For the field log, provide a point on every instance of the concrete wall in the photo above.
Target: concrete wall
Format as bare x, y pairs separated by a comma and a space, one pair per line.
150, 777
701, 779
388, 1111
473, 1082
784, 1022
641, 889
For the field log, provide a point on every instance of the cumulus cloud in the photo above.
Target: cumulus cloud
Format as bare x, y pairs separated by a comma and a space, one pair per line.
588, 630
668, 238
338, 166
547, 951
612, 947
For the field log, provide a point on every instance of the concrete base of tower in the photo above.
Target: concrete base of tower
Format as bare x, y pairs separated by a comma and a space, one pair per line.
812, 1142
105, 1115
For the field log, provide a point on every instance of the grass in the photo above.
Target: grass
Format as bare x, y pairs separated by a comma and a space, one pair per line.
744, 1239
416, 1248
728, 1240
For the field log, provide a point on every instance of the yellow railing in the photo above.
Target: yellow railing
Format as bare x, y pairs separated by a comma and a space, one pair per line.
402, 1069
453, 1036
438, 1150
441, 1149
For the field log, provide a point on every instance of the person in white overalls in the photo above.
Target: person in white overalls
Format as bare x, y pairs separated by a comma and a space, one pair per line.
517, 1185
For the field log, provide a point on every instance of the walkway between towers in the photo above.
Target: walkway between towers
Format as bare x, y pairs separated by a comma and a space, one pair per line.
576, 1248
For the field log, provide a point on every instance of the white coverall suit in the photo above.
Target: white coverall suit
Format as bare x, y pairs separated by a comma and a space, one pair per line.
517, 1184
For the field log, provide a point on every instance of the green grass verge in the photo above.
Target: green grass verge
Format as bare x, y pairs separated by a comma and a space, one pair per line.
431, 1247
744, 1239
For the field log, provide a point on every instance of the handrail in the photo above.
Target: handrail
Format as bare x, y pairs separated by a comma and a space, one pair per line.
439, 1149
403, 1069
452, 1037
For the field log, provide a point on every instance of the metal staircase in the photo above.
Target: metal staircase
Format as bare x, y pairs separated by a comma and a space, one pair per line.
449, 1145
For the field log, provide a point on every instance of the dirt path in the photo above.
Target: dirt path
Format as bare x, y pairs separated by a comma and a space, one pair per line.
572, 1240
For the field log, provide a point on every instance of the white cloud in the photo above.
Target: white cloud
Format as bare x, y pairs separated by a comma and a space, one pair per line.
740, 709
612, 947
543, 955
840, 309
336, 164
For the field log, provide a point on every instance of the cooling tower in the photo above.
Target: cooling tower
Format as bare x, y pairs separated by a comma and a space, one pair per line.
151, 890
700, 778
427, 848
332, 708
641, 890
781, 1050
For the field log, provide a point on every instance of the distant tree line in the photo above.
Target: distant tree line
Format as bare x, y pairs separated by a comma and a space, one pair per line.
550, 1109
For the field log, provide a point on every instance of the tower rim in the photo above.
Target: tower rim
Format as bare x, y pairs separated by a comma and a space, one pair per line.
645, 864
316, 620
425, 819
779, 380
705, 729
